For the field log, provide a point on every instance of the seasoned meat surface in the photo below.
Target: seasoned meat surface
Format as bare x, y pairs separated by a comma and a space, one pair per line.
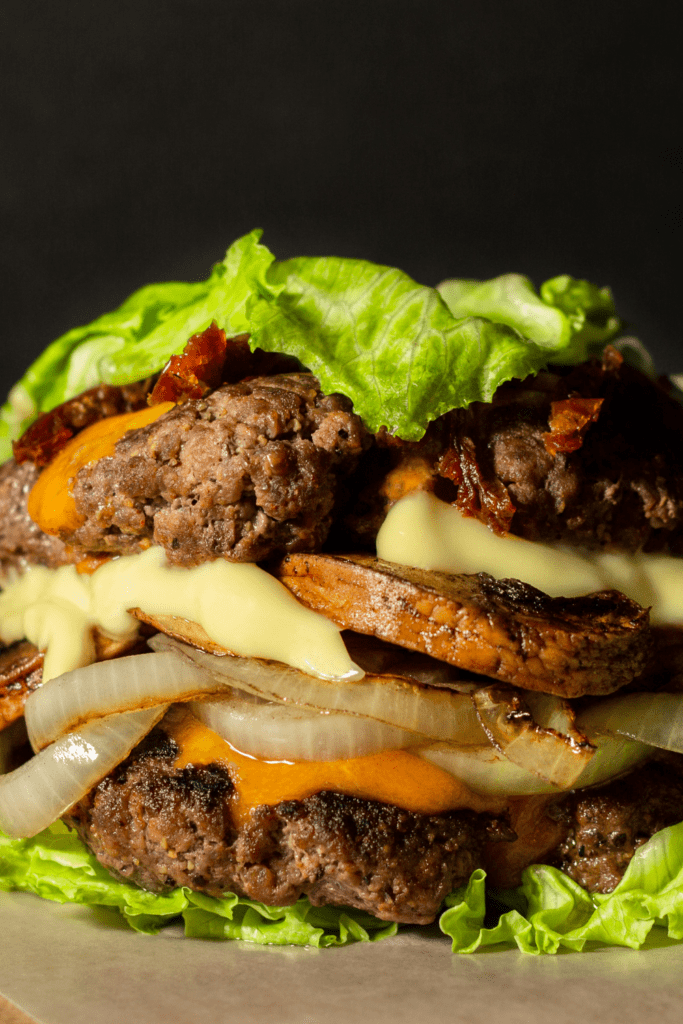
52, 430
250, 470
503, 629
605, 826
586, 455
590, 456
21, 541
592, 834
161, 827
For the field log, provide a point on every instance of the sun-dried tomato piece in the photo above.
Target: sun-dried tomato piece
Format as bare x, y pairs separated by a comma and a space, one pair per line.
612, 359
569, 420
196, 370
51, 431
210, 359
485, 500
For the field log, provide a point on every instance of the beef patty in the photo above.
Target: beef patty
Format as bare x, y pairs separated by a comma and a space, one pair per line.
587, 455
161, 827
591, 834
250, 470
22, 542
605, 826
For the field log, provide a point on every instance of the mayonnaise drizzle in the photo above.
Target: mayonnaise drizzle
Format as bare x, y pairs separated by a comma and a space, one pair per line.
422, 531
240, 606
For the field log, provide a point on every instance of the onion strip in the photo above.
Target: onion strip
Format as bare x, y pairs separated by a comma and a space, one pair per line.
485, 770
108, 688
436, 713
654, 718
558, 755
44, 788
286, 732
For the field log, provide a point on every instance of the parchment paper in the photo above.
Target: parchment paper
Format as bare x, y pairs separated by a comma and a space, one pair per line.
68, 965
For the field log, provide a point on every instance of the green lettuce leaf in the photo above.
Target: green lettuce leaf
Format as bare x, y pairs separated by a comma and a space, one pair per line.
571, 318
138, 338
590, 311
549, 911
57, 866
403, 353
391, 345
546, 913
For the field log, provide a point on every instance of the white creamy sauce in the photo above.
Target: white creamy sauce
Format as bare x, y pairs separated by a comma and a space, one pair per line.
424, 532
240, 606
249, 612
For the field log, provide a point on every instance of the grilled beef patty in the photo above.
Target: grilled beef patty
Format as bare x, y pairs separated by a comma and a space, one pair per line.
591, 834
22, 542
589, 456
161, 827
249, 471
586, 455
605, 826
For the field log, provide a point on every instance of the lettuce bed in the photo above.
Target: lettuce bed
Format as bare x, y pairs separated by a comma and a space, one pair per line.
547, 912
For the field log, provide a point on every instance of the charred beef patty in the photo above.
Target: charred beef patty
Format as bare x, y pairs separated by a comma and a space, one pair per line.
264, 466
592, 834
590, 456
605, 826
587, 455
22, 542
161, 827
248, 471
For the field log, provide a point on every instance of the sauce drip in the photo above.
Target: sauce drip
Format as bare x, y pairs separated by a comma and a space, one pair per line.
51, 502
392, 777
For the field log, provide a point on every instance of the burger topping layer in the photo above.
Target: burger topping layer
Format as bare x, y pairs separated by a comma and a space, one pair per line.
241, 607
425, 532
393, 776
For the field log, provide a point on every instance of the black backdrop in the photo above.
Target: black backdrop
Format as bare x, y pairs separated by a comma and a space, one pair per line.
448, 138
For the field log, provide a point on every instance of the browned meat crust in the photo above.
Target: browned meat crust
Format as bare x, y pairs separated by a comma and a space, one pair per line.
52, 430
21, 671
21, 541
250, 470
616, 481
591, 835
161, 827
605, 826
503, 629
587, 455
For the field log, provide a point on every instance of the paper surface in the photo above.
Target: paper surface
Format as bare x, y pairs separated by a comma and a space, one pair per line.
69, 965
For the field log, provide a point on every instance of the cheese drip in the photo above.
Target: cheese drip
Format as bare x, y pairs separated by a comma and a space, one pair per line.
427, 533
239, 605
393, 777
51, 502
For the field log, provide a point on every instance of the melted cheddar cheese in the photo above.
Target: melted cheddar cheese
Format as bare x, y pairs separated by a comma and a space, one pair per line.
51, 502
393, 777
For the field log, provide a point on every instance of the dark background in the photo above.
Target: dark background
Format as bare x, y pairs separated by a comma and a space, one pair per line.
448, 138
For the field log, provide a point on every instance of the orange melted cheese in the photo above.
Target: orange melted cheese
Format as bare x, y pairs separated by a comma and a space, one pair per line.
392, 777
51, 502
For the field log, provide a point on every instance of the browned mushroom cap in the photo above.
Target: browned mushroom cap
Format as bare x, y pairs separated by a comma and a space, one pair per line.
503, 629
21, 670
